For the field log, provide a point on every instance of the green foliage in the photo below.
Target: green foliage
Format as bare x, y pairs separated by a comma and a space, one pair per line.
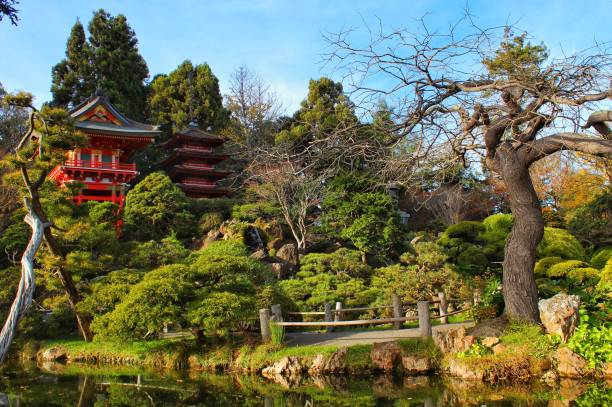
592, 222
342, 261
561, 270
467, 230
530, 338
210, 221
500, 222
108, 291
583, 276
14, 238
601, 257
476, 350
516, 58
150, 305
189, 93
156, 207
560, 243
152, 254
108, 60
592, 340
542, 265
369, 220
325, 109
277, 334
425, 276
595, 396
250, 212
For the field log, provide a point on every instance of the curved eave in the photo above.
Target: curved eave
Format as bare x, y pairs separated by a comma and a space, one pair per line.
181, 153
190, 170
116, 131
202, 190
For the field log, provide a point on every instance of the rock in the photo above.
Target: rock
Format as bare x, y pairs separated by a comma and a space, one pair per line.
260, 254
416, 365
275, 244
384, 355
491, 327
53, 354
559, 314
490, 341
337, 361
288, 252
286, 372
278, 269
550, 378
212, 236
569, 364
499, 348
453, 340
607, 370
318, 365
458, 369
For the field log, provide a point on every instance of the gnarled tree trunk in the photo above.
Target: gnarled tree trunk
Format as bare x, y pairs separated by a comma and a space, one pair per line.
25, 292
519, 287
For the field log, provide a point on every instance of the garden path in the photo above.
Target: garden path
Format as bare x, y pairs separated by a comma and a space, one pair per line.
348, 338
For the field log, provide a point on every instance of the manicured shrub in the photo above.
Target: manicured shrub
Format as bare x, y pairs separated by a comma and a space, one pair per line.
467, 230
152, 254
210, 221
249, 212
561, 270
472, 260
586, 276
560, 243
542, 265
600, 257
501, 222
109, 291
342, 261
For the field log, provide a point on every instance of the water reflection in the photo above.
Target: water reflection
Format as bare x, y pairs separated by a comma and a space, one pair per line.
73, 385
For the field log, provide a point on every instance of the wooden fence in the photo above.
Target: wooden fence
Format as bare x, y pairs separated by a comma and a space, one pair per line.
335, 317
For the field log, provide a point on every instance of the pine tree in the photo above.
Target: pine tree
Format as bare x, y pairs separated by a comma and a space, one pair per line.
108, 60
189, 93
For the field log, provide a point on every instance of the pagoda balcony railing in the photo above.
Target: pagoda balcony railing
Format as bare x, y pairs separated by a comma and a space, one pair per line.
99, 165
202, 183
197, 148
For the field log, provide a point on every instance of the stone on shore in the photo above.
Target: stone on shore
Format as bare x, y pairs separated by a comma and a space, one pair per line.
559, 314
416, 365
570, 364
453, 340
53, 354
384, 355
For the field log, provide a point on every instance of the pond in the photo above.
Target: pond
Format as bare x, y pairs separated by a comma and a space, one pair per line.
73, 385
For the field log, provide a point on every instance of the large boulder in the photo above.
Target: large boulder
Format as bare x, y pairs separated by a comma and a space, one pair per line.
317, 367
384, 355
286, 372
53, 354
570, 364
337, 361
288, 253
416, 365
453, 340
559, 314
457, 368
212, 236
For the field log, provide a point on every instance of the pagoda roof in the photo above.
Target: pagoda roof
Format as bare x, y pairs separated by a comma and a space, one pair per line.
98, 115
194, 134
179, 154
190, 170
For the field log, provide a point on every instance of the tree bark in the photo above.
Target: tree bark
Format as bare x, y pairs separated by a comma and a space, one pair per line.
25, 292
64, 276
519, 286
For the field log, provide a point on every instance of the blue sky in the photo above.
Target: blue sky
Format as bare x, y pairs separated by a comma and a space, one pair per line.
281, 40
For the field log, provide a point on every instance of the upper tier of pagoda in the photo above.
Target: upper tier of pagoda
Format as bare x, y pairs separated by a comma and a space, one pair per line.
102, 166
191, 162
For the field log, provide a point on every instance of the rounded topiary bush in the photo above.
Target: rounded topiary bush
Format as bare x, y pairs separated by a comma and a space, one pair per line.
561, 270
584, 276
472, 260
601, 257
210, 221
561, 243
542, 266
467, 230
500, 222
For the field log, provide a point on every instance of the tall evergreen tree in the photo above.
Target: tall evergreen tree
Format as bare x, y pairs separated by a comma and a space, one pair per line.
108, 60
189, 93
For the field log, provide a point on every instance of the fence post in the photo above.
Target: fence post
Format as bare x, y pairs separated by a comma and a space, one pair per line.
264, 324
338, 313
443, 307
397, 310
424, 322
277, 312
328, 316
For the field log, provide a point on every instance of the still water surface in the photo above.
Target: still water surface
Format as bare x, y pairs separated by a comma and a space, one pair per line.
60, 385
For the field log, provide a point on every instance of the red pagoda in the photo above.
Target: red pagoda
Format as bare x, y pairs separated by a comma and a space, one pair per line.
102, 167
191, 162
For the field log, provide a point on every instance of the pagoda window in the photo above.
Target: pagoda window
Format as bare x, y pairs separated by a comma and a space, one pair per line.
85, 156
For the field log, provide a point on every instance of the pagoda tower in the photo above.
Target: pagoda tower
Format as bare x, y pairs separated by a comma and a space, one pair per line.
191, 162
103, 167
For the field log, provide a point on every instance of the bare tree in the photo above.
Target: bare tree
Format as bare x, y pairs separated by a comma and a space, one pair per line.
287, 180
254, 107
460, 95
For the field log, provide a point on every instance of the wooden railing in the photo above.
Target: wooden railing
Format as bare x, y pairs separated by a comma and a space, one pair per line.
88, 164
334, 317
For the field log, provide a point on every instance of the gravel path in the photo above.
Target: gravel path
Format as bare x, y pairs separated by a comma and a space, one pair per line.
348, 338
